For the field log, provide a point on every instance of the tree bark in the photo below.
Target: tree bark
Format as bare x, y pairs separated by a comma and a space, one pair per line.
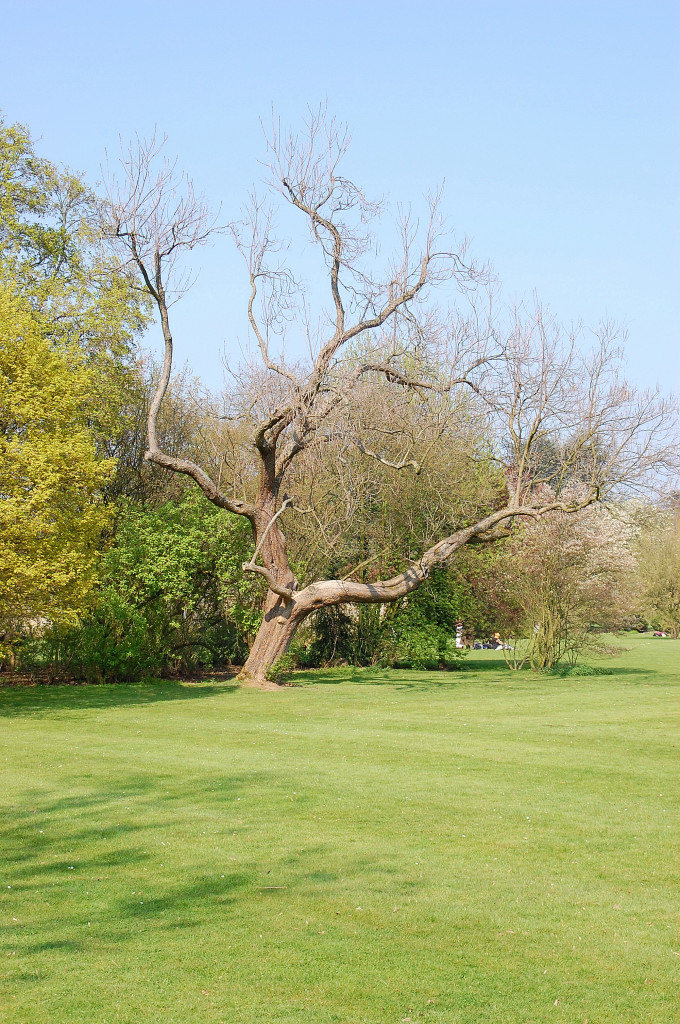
281, 615
271, 643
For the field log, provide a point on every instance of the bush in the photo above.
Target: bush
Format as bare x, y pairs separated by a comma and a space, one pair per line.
171, 599
330, 640
418, 632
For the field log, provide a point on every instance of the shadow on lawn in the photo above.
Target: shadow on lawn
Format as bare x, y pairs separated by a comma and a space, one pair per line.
169, 908
431, 680
577, 671
88, 855
97, 857
400, 679
46, 700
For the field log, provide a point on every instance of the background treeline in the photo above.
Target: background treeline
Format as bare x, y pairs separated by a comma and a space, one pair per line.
112, 569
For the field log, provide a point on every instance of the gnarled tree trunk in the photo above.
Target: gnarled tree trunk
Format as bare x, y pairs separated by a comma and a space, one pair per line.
271, 643
281, 613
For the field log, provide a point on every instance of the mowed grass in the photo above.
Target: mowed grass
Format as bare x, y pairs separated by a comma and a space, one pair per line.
367, 846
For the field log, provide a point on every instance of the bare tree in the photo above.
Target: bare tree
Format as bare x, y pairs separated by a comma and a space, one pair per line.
553, 414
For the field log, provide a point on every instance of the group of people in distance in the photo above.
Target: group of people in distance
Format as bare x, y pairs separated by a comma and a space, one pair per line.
494, 644
465, 642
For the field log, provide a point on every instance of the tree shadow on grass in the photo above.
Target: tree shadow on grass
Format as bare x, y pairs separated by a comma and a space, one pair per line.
165, 907
398, 679
65, 945
76, 852
184, 898
50, 700
578, 671
85, 861
44, 836
487, 671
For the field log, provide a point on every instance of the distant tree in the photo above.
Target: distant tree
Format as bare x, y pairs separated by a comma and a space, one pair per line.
659, 569
538, 391
367, 517
560, 582
183, 425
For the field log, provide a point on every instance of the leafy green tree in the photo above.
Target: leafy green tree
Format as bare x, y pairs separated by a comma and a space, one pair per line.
416, 632
68, 320
51, 476
421, 631
171, 597
53, 254
52, 247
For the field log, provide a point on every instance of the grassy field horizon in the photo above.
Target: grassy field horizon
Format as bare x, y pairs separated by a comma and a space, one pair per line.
367, 846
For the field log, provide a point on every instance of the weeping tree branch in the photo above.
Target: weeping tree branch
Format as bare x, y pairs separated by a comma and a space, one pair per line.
343, 591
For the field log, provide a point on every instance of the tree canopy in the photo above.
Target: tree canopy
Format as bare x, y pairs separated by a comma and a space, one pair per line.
51, 475
68, 319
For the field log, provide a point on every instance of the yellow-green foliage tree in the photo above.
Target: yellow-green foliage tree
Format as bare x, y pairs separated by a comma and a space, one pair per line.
53, 254
51, 476
68, 319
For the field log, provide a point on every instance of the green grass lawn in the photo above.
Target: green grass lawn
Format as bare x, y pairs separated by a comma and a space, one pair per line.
367, 846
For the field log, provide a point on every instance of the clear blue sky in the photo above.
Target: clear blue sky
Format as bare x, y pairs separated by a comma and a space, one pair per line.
555, 124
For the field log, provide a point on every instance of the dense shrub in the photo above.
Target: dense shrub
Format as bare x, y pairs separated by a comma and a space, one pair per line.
172, 598
418, 632
421, 633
